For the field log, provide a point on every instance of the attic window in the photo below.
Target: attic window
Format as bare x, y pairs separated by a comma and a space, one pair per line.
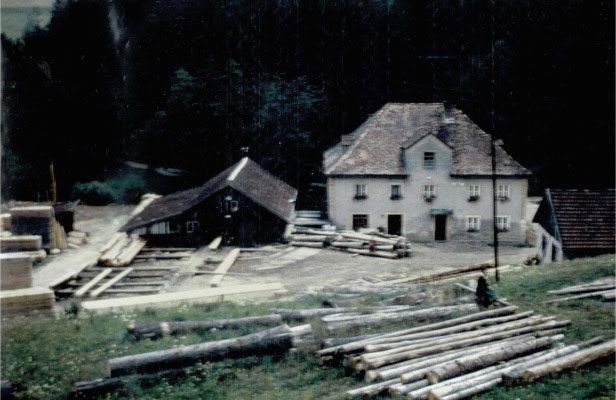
429, 159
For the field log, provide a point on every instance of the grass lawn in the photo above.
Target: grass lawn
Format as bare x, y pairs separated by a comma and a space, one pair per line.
48, 355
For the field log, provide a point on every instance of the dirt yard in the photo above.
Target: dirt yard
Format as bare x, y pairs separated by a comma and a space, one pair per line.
298, 269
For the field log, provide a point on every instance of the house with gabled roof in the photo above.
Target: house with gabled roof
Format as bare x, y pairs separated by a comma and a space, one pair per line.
575, 223
244, 203
424, 170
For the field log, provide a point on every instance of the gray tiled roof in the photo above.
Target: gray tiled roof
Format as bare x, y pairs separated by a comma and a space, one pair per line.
250, 179
374, 147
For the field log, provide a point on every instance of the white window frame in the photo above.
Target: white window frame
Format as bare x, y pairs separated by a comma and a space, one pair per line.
429, 163
504, 192
474, 190
428, 191
234, 206
361, 190
191, 226
470, 223
503, 223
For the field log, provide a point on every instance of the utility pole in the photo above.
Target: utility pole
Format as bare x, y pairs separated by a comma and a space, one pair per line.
494, 207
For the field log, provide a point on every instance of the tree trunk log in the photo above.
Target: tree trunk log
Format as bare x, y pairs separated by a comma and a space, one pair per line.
371, 390
272, 341
583, 289
377, 320
486, 358
575, 360
481, 388
359, 345
580, 296
142, 330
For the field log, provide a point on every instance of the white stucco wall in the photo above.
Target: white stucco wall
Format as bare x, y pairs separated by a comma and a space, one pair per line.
451, 193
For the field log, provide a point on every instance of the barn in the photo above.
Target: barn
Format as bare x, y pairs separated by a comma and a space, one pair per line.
244, 204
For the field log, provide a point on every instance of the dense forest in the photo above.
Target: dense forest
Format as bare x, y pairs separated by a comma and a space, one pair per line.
191, 86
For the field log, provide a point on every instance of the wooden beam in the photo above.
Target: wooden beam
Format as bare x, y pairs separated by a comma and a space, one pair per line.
83, 290
214, 244
110, 283
224, 266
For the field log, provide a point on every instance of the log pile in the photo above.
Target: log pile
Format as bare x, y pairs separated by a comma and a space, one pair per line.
15, 271
603, 288
374, 243
438, 359
26, 301
120, 250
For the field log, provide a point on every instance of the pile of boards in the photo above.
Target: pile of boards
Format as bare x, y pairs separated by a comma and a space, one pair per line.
26, 301
120, 250
603, 288
373, 243
459, 357
15, 271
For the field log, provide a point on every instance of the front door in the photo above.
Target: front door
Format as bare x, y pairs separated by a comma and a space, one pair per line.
440, 227
394, 224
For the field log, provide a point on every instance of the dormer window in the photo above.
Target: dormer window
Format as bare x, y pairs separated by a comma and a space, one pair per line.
428, 160
361, 191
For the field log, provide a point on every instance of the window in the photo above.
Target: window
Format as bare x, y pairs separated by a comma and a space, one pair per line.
429, 159
361, 191
502, 223
473, 223
473, 192
428, 192
396, 193
192, 226
234, 206
360, 221
504, 191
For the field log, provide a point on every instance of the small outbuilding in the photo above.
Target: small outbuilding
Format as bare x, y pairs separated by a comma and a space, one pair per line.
575, 223
244, 203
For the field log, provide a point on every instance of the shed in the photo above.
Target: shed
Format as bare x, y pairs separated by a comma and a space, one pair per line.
244, 203
576, 223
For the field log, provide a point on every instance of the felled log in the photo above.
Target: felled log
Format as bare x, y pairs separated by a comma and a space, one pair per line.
583, 289
477, 389
272, 341
487, 358
415, 315
609, 296
359, 345
371, 390
141, 330
309, 238
349, 245
382, 254
574, 360
368, 238
316, 245
406, 299
580, 296
224, 267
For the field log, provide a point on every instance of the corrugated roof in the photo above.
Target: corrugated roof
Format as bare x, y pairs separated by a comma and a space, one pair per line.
246, 176
374, 147
585, 218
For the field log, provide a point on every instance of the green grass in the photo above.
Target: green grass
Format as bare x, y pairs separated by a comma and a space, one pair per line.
49, 354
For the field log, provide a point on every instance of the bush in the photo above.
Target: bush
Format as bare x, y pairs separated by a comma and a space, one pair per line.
123, 190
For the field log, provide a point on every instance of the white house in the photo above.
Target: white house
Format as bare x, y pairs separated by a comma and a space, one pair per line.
424, 171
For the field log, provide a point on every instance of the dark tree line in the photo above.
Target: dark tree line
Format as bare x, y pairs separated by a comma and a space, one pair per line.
188, 84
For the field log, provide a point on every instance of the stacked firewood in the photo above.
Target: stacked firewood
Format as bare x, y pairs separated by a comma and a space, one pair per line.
458, 357
374, 243
603, 288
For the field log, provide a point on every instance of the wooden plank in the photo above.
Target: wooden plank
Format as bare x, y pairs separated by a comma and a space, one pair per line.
67, 276
92, 282
224, 267
191, 296
21, 242
214, 244
110, 282
129, 252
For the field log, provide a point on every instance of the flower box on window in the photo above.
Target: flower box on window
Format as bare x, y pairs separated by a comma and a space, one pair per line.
360, 197
428, 199
472, 230
473, 198
503, 198
396, 197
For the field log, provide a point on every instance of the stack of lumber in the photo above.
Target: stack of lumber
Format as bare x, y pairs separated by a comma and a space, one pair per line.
34, 220
21, 243
384, 245
25, 301
5, 222
413, 361
15, 271
58, 237
120, 250
603, 288
77, 239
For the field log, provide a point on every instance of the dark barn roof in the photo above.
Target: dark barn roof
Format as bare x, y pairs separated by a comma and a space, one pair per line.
246, 176
374, 147
580, 219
